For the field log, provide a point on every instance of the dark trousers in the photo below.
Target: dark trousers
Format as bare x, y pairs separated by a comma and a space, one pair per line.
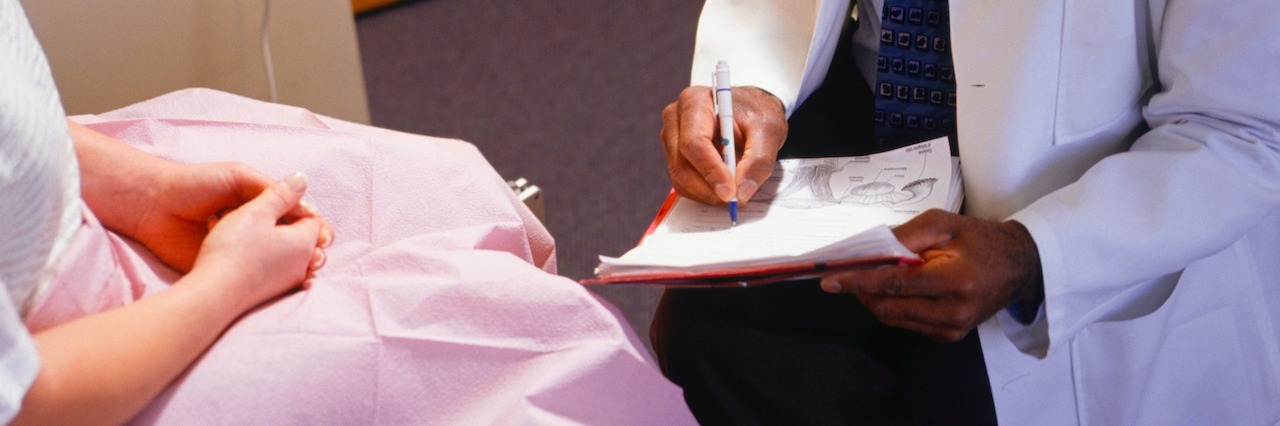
789, 353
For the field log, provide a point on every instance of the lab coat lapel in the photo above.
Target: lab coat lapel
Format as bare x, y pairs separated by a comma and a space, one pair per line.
1006, 56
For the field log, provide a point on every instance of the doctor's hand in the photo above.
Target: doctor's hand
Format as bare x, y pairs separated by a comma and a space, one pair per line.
972, 269
690, 137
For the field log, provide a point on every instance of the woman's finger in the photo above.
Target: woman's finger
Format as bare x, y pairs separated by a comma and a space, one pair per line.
280, 198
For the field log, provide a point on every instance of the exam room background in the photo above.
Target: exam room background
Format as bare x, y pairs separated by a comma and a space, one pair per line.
565, 93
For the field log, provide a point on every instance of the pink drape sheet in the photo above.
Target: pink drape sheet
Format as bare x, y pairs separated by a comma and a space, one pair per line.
438, 304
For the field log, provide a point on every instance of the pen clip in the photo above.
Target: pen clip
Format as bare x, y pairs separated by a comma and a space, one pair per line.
715, 100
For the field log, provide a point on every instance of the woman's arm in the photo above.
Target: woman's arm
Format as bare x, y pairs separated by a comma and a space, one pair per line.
107, 367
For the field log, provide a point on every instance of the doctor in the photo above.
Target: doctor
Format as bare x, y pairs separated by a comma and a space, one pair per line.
1117, 252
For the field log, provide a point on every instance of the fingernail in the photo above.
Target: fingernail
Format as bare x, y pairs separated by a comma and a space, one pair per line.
746, 189
297, 182
723, 192
830, 286
318, 261
326, 239
309, 207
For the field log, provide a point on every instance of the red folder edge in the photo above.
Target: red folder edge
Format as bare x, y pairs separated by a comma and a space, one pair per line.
749, 276
662, 214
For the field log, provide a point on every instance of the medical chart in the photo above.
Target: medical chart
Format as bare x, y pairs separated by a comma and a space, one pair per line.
809, 210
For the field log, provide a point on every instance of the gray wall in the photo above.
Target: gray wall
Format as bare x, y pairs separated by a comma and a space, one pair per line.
566, 93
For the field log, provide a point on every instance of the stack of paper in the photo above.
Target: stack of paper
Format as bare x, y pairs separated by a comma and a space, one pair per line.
812, 215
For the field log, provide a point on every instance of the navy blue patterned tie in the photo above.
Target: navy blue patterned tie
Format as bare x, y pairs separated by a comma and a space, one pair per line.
915, 82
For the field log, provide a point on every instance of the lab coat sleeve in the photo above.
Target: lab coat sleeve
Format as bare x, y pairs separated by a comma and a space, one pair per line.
783, 47
1113, 243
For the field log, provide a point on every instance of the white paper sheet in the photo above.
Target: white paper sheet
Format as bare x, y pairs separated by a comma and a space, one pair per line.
806, 206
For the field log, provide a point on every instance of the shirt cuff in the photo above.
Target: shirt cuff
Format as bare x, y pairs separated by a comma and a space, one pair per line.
1027, 311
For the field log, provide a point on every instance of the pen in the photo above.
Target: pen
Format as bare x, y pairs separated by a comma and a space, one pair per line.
724, 109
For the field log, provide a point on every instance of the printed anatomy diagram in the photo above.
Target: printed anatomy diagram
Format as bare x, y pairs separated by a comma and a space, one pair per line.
814, 183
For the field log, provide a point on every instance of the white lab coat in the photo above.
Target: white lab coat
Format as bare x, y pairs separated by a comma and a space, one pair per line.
1138, 142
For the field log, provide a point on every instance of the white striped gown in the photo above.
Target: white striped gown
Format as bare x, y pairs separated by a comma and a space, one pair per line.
39, 176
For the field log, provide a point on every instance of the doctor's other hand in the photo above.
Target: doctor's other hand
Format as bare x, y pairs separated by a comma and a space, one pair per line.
972, 269
690, 138
259, 251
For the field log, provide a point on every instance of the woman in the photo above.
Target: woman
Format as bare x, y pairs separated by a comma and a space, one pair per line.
188, 289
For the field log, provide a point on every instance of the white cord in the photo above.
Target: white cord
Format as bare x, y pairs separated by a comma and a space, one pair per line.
266, 50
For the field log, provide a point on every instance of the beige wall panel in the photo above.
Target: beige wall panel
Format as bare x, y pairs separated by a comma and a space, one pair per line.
106, 54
